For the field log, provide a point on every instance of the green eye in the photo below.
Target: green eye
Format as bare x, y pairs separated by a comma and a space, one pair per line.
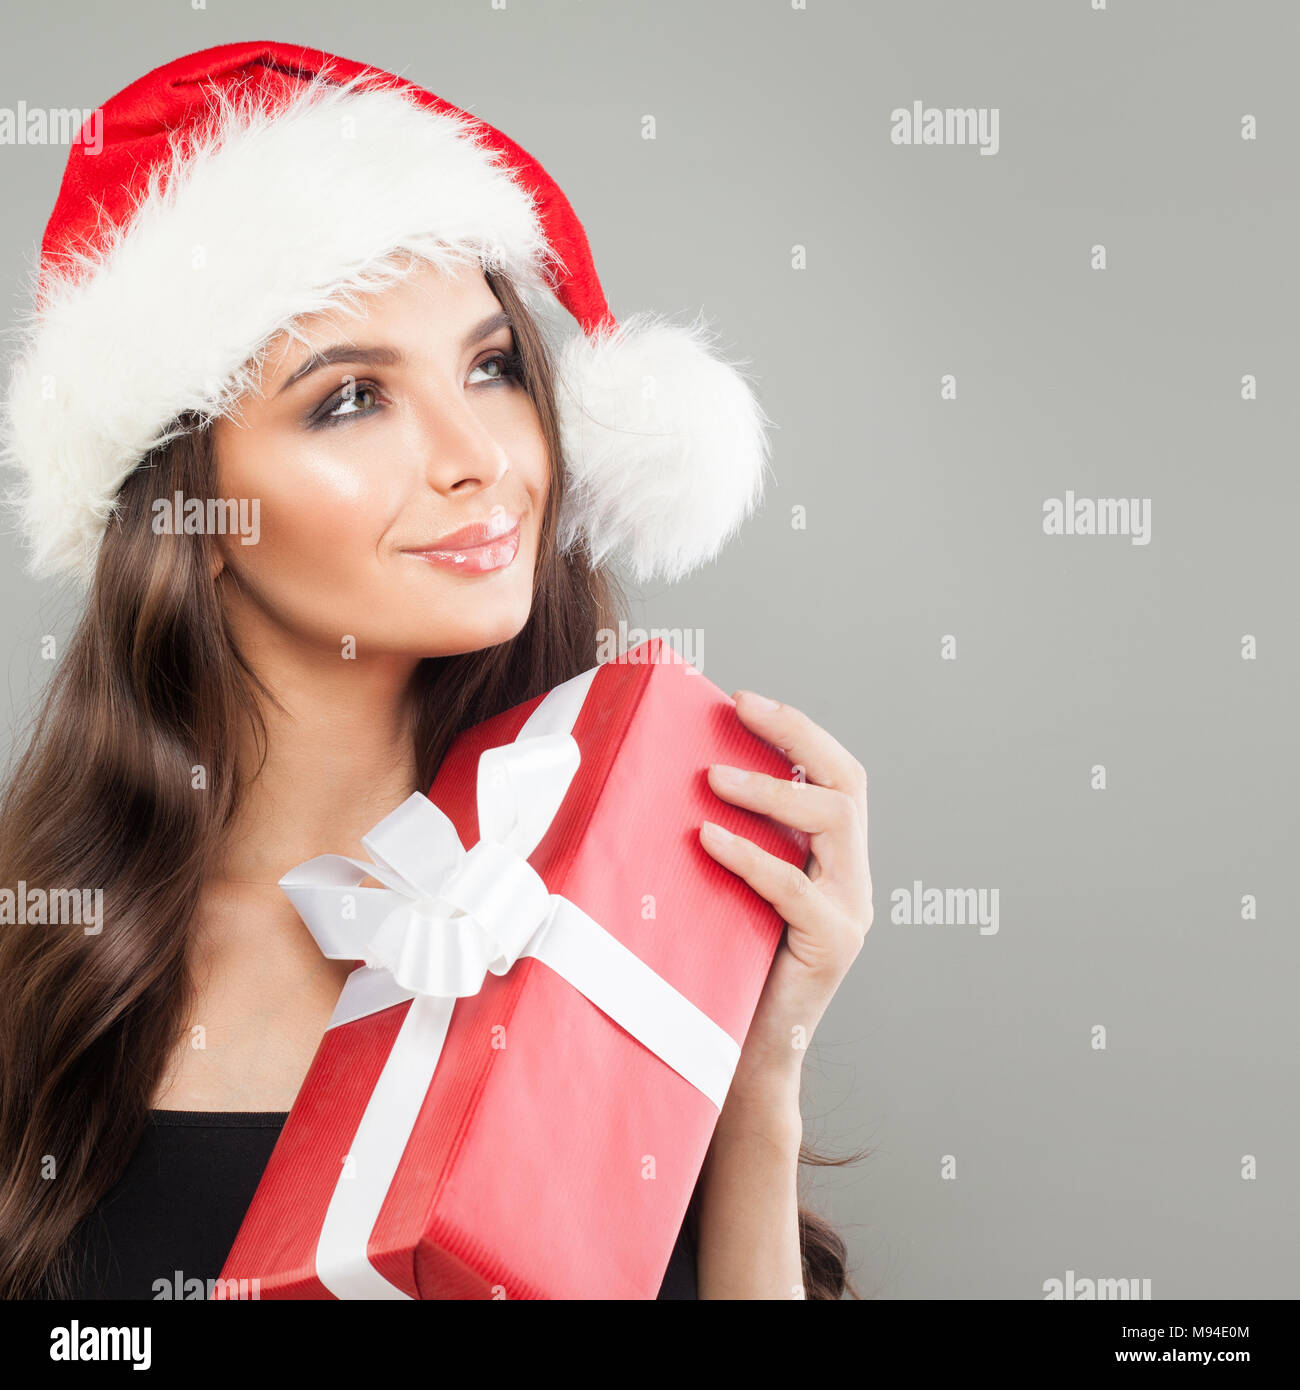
345, 405
352, 400
510, 366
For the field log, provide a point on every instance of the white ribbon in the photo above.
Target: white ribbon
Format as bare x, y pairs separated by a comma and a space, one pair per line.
448, 916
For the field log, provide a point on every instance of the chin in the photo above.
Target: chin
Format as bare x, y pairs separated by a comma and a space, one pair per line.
480, 630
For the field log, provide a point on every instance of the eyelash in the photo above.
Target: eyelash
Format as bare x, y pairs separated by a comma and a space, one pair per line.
512, 369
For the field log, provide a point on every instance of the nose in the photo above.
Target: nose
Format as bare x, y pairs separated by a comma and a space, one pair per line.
460, 453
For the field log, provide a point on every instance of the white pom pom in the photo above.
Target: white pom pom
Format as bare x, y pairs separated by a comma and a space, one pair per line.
665, 444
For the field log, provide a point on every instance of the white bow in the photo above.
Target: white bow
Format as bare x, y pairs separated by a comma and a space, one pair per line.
448, 915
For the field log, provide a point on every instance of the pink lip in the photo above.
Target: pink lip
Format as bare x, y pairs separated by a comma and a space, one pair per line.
491, 554
499, 524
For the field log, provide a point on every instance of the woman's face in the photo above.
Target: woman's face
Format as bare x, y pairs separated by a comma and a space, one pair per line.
369, 447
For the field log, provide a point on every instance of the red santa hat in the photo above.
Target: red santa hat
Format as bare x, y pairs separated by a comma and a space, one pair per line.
242, 187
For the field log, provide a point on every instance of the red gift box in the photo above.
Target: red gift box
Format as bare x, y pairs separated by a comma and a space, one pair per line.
553, 1154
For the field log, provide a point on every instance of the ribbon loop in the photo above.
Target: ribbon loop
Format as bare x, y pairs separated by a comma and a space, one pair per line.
413, 848
520, 787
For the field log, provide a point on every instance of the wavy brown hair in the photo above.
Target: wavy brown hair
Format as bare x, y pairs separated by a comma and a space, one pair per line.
150, 685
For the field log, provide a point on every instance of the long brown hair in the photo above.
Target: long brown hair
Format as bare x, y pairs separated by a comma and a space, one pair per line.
151, 685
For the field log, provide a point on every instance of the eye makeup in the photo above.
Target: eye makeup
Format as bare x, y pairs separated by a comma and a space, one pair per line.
511, 370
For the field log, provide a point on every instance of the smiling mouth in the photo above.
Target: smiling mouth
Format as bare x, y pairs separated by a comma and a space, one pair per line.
491, 555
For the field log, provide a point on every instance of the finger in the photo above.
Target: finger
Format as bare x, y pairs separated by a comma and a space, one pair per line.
831, 818
824, 760
781, 883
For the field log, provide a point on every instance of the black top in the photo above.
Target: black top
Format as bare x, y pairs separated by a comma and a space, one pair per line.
182, 1200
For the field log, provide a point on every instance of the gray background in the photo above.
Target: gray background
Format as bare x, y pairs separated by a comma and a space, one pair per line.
1118, 907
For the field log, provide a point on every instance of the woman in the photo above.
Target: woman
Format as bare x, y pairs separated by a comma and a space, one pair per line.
295, 284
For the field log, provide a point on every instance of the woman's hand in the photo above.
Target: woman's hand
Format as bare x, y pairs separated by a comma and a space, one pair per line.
827, 910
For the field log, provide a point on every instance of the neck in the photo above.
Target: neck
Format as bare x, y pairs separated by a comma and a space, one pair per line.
339, 757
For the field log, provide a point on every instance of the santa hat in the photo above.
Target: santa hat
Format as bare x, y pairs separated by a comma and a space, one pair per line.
244, 186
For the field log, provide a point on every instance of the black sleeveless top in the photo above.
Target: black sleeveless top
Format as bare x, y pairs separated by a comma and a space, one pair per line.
182, 1199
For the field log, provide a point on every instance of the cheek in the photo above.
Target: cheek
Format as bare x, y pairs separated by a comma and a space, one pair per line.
315, 504
529, 459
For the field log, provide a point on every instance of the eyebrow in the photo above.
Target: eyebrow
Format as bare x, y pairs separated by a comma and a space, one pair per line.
387, 356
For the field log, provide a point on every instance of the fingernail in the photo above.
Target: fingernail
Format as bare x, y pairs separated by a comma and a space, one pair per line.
728, 776
760, 701
716, 833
